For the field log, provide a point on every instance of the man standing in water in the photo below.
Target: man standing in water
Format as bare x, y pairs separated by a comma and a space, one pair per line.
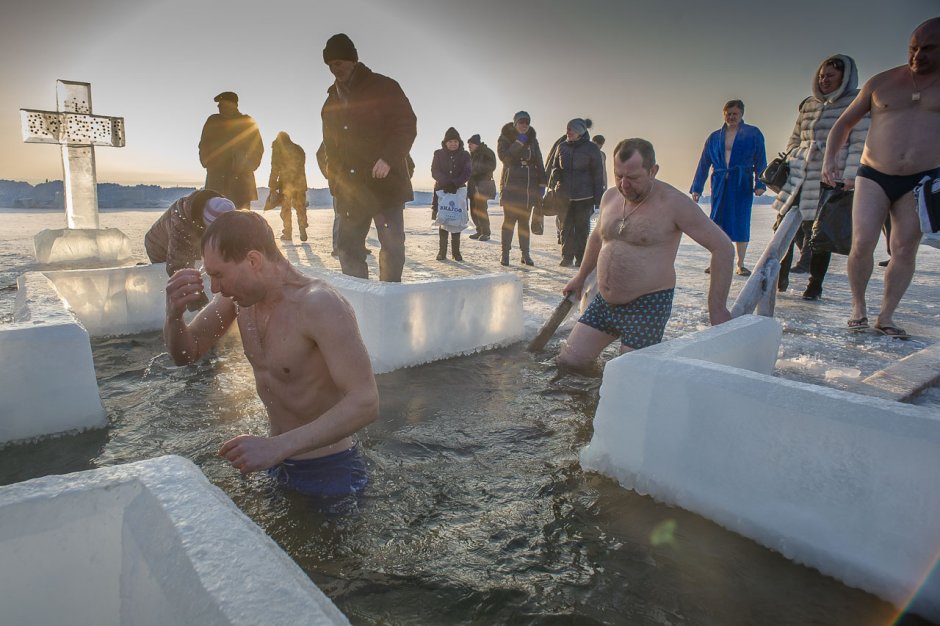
634, 251
900, 150
312, 371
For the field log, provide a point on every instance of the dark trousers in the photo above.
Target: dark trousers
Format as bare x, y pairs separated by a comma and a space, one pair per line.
512, 215
575, 227
818, 263
351, 243
479, 215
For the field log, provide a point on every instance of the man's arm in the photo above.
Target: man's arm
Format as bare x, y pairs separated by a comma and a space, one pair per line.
693, 222
331, 324
591, 253
701, 172
760, 163
187, 343
839, 134
401, 128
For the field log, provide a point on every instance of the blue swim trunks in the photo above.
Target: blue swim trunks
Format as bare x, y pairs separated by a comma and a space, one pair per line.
639, 323
340, 474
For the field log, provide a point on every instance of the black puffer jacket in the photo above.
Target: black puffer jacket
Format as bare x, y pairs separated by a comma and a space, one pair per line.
576, 169
523, 171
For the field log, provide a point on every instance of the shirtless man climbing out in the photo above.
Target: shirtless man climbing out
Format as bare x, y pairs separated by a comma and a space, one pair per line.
634, 249
901, 148
312, 371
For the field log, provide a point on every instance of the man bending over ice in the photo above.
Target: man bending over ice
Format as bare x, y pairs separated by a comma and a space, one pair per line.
312, 371
634, 250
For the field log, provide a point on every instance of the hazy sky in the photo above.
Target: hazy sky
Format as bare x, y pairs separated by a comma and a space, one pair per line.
659, 70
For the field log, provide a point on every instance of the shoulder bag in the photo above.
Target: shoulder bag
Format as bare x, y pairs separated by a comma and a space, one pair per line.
832, 229
777, 172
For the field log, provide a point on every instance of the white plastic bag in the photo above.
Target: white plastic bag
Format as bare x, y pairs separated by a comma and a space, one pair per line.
452, 214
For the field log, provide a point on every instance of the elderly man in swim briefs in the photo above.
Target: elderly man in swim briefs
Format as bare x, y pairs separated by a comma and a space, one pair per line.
634, 249
900, 150
312, 371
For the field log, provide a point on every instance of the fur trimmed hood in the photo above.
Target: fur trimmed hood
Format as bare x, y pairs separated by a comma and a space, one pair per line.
509, 132
849, 79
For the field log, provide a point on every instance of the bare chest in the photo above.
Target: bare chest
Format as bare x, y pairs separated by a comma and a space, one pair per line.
273, 346
905, 95
729, 144
636, 229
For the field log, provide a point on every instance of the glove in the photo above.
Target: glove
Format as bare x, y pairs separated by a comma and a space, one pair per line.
522, 138
449, 188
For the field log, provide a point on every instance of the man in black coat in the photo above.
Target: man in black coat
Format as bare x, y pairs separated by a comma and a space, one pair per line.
481, 187
368, 129
230, 149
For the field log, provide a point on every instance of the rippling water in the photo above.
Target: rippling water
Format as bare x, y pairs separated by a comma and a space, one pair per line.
477, 512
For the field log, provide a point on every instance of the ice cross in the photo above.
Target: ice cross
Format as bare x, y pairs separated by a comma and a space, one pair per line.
74, 128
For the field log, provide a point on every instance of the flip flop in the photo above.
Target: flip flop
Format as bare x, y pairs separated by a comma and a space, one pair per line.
858, 324
892, 331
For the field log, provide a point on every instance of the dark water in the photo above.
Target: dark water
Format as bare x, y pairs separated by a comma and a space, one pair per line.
478, 512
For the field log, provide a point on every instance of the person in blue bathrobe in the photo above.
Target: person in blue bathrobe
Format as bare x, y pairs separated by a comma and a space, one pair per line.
735, 154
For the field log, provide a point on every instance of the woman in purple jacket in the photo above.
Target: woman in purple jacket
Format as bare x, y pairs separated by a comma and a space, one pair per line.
450, 169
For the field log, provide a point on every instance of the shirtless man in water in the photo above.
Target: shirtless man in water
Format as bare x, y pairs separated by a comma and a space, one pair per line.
312, 371
634, 250
901, 148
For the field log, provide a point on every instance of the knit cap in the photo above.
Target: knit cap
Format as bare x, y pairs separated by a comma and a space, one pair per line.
340, 47
215, 207
521, 115
475, 140
579, 125
451, 134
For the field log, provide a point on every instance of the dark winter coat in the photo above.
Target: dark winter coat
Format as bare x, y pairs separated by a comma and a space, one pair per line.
576, 169
230, 149
288, 174
523, 171
450, 170
482, 166
375, 121
176, 236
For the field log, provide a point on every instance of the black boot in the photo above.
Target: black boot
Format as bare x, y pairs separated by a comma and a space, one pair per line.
504, 260
524, 248
442, 249
455, 246
813, 290
818, 266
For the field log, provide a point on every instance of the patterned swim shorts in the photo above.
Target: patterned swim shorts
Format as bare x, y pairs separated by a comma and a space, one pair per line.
639, 323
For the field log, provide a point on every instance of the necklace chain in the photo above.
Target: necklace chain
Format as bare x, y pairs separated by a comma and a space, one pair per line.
915, 96
623, 220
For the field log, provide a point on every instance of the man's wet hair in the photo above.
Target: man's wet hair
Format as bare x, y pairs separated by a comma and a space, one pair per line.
236, 233
731, 104
628, 147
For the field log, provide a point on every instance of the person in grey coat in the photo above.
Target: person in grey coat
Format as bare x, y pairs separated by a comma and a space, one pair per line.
835, 85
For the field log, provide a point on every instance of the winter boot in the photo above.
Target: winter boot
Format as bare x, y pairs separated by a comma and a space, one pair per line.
442, 249
524, 247
504, 260
455, 247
